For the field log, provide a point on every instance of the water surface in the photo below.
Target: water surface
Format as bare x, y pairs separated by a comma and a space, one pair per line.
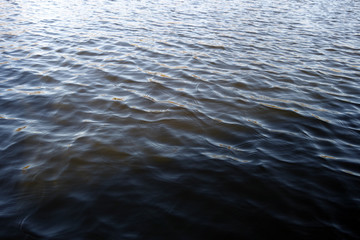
230, 119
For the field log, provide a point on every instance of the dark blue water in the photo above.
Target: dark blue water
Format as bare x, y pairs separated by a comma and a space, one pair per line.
170, 119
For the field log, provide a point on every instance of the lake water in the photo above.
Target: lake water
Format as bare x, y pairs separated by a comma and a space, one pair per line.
179, 119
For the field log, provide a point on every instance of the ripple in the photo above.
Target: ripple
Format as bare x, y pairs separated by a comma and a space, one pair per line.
145, 120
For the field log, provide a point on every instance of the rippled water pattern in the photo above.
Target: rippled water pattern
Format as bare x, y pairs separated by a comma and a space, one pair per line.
170, 119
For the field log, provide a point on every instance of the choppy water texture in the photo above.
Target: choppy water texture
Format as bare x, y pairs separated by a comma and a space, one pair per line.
179, 119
